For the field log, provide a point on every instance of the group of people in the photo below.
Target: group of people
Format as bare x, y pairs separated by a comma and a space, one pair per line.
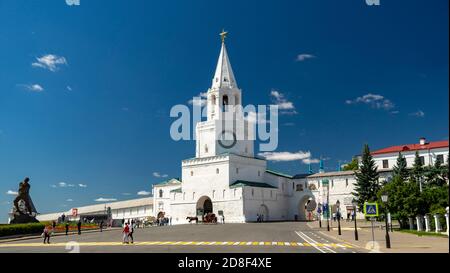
259, 218
128, 230
49, 230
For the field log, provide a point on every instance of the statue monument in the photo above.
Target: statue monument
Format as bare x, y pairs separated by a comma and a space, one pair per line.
23, 210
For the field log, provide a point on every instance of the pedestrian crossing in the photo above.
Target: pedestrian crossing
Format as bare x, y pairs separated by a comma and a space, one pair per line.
185, 243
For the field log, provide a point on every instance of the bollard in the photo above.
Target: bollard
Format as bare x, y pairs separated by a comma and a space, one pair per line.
437, 223
419, 223
427, 223
411, 223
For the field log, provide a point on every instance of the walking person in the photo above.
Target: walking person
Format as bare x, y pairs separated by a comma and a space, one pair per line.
223, 218
46, 234
79, 227
130, 235
126, 232
67, 228
101, 226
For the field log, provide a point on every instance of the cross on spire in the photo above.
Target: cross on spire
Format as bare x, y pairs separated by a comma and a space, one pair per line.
223, 35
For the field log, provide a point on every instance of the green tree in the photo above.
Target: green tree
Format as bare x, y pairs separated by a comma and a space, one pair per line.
352, 166
400, 169
367, 185
417, 171
435, 175
404, 199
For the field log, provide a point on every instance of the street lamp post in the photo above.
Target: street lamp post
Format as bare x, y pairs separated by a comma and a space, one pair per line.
355, 203
338, 215
420, 184
320, 216
384, 198
328, 204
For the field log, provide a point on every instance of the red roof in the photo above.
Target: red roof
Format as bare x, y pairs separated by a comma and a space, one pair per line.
412, 147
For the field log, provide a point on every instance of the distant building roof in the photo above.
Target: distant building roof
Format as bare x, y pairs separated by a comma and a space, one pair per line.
412, 147
176, 190
279, 174
302, 175
169, 182
341, 173
242, 183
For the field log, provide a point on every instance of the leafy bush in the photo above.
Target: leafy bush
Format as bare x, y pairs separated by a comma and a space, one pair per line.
14, 229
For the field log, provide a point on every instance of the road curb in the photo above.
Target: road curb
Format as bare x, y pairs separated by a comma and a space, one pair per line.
29, 237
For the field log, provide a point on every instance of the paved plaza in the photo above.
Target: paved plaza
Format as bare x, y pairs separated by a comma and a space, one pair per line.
282, 237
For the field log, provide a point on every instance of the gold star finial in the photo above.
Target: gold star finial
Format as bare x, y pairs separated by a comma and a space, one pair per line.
223, 35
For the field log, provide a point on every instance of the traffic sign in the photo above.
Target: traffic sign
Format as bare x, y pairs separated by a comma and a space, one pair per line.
370, 209
325, 182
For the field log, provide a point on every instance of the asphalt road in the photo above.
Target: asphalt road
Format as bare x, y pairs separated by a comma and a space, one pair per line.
283, 237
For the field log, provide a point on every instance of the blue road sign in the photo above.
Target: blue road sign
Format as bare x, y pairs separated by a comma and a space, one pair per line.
370, 209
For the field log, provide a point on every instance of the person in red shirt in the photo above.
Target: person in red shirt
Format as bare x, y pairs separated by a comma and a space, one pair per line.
126, 232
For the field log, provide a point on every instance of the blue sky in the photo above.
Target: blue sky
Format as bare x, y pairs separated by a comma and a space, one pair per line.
85, 91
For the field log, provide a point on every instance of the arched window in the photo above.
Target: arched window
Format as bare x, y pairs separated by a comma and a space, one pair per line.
160, 193
223, 194
213, 99
234, 192
184, 196
192, 173
225, 102
253, 192
217, 171
259, 173
206, 148
214, 194
236, 100
237, 170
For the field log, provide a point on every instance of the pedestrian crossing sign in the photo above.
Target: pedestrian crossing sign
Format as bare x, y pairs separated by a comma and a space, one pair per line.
370, 209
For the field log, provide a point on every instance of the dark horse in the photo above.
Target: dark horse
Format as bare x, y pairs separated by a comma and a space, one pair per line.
192, 219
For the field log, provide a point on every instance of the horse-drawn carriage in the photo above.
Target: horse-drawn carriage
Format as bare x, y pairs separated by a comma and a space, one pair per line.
210, 218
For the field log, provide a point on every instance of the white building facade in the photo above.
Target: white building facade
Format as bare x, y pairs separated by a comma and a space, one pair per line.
134, 209
225, 177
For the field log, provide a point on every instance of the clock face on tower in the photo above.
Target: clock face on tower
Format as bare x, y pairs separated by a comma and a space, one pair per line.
227, 139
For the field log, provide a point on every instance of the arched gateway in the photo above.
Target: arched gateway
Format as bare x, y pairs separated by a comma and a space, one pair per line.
303, 213
204, 206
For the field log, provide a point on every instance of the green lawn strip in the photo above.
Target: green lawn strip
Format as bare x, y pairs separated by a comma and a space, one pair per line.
421, 233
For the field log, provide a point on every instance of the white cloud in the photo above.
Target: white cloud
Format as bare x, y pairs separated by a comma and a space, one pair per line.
82, 185
304, 56
157, 174
144, 193
101, 199
286, 107
53, 186
50, 62
285, 156
69, 200
256, 118
310, 160
419, 114
10, 192
289, 124
62, 184
69, 88
199, 102
33, 87
374, 100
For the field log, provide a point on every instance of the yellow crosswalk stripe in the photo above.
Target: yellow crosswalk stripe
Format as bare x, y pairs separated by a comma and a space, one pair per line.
182, 243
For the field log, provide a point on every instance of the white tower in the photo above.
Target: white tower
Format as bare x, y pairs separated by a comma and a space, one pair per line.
220, 133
